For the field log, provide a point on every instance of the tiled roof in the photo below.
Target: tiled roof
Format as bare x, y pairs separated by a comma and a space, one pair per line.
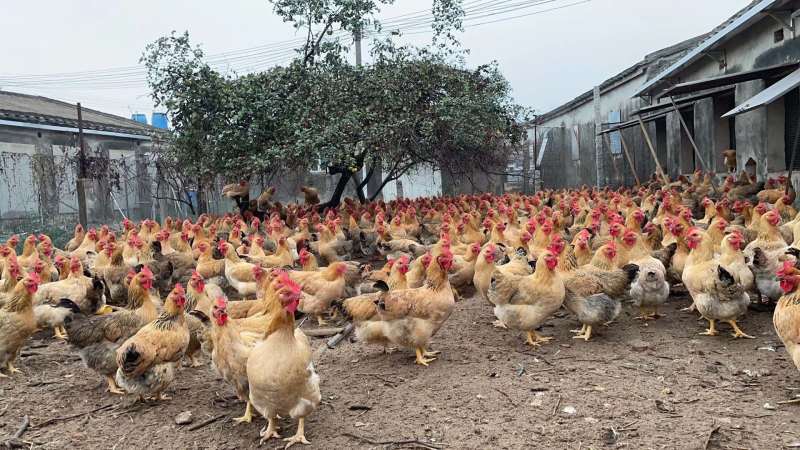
47, 111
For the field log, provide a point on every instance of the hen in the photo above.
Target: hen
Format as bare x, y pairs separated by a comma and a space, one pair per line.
408, 318
524, 303
17, 322
280, 373
147, 359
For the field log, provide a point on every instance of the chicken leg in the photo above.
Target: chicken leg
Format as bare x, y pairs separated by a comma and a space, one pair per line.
499, 324
112, 386
248, 415
581, 331
586, 335
535, 339
269, 432
421, 360
321, 321
300, 436
645, 315
712, 328
11, 368
60, 333
737, 332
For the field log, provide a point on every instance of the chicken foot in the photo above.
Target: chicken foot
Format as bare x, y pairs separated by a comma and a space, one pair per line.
248, 415
321, 321
586, 335
300, 436
689, 308
269, 432
737, 332
535, 339
712, 328
11, 369
499, 324
60, 333
581, 331
645, 315
112, 386
421, 360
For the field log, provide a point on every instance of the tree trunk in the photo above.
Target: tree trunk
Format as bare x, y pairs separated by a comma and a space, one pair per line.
201, 201
360, 185
336, 197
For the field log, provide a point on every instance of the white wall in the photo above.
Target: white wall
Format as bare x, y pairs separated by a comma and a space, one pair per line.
18, 196
423, 182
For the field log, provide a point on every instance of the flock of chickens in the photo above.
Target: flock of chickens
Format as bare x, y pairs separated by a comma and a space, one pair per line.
136, 302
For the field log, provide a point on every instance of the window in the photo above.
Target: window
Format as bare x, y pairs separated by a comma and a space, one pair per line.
779, 35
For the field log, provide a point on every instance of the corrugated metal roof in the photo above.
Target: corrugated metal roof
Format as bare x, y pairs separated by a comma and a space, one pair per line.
740, 21
47, 111
768, 95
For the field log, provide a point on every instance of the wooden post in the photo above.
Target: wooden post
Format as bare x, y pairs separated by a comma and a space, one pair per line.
81, 181
628, 157
652, 151
689, 135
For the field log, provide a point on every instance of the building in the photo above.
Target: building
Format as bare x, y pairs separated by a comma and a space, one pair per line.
733, 88
39, 160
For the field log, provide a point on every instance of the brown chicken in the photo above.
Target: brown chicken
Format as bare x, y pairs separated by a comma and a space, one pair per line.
786, 317
408, 318
320, 289
98, 337
17, 322
280, 373
147, 359
239, 273
524, 303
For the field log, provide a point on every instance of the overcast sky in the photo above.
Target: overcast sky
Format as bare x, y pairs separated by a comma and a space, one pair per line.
549, 57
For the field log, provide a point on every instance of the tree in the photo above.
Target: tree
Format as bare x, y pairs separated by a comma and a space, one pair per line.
411, 107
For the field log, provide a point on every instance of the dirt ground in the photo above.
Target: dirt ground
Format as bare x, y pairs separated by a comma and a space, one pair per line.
634, 386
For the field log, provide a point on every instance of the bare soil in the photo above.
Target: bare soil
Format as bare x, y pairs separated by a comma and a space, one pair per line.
636, 386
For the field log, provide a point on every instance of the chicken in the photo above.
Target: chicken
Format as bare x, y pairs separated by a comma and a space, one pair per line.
310, 195
484, 268
734, 261
464, 270
98, 337
231, 349
786, 317
730, 160
236, 190
408, 318
76, 288
320, 288
593, 292
280, 373
717, 295
76, 240
650, 289
147, 359
524, 303
238, 273
281, 258
17, 322
54, 316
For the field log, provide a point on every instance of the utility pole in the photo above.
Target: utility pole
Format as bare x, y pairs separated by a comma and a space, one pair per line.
81, 181
375, 182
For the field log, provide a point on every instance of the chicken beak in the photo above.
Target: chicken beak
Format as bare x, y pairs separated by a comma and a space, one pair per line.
105, 309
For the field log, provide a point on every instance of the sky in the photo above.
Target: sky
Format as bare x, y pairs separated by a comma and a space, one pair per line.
549, 57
